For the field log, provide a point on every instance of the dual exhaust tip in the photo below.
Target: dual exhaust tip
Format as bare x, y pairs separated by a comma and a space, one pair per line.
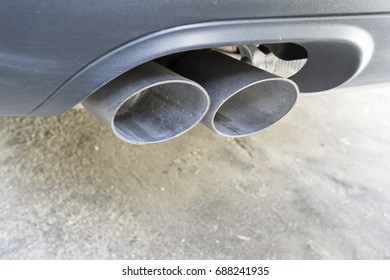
151, 103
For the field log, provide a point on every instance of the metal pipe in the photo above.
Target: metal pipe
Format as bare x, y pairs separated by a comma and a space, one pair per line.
149, 104
243, 99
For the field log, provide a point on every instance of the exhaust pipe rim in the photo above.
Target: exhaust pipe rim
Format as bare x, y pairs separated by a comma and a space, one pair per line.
216, 107
140, 91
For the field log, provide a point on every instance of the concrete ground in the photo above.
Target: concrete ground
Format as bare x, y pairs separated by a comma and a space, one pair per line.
315, 186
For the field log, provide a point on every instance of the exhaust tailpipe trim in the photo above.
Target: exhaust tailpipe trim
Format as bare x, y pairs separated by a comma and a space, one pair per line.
149, 104
243, 99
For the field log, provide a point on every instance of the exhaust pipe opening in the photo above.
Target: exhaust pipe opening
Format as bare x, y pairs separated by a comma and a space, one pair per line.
159, 113
254, 108
243, 99
149, 104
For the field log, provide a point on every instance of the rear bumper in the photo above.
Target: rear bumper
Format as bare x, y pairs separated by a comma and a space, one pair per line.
53, 57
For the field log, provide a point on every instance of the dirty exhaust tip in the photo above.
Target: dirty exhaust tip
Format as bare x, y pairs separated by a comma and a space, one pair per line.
160, 112
149, 104
243, 99
255, 107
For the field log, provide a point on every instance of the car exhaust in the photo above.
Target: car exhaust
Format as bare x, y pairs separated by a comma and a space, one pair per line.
243, 99
149, 104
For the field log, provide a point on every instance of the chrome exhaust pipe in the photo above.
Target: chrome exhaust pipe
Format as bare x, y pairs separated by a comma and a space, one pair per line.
243, 99
149, 104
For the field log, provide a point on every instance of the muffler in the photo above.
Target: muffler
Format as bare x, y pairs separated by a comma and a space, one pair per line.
243, 99
149, 104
